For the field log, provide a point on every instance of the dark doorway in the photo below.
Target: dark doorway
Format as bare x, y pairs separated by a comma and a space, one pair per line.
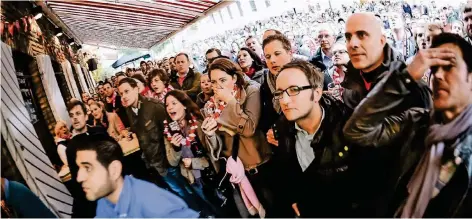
32, 104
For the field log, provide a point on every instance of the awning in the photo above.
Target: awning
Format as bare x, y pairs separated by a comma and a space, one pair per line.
124, 23
127, 59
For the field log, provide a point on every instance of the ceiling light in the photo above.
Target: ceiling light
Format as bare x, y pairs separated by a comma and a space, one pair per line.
58, 32
37, 12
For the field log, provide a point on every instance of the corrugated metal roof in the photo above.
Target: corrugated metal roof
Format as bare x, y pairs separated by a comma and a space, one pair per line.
126, 23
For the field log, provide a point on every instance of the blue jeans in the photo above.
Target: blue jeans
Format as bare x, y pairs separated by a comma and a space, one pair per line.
179, 186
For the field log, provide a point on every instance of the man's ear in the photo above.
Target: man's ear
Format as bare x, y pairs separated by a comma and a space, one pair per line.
115, 169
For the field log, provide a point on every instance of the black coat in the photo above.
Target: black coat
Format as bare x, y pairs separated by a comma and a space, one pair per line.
317, 61
375, 166
149, 128
268, 114
324, 189
382, 120
191, 84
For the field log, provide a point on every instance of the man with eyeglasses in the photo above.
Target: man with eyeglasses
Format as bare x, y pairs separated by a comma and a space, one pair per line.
210, 55
468, 22
313, 158
326, 38
340, 60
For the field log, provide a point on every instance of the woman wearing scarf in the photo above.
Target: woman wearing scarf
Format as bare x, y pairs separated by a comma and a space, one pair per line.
183, 140
235, 110
251, 64
110, 121
159, 82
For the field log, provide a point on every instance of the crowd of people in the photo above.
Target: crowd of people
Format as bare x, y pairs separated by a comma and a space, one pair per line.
366, 114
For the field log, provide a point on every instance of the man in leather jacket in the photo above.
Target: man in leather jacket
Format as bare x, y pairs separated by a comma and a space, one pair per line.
435, 159
371, 57
313, 158
146, 116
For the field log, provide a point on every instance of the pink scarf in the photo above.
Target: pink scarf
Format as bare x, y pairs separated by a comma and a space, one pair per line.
238, 176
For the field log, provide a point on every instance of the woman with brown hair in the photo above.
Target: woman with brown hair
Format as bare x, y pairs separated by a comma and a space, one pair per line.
232, 115
110, 121
251, 64
159, 82
184, 141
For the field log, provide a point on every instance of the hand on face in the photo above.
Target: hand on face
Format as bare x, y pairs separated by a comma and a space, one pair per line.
425, 59
223, 94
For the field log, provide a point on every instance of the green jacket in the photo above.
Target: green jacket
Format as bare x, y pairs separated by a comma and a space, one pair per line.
191, 84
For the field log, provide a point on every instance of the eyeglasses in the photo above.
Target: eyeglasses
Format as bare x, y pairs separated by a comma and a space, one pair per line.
291, 91
340, 52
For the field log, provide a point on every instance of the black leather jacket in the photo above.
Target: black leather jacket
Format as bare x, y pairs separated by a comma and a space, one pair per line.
353, 84
149, 128
382, 119
376, 161
324, 188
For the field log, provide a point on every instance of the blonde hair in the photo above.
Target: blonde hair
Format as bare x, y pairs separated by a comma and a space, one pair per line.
58, 127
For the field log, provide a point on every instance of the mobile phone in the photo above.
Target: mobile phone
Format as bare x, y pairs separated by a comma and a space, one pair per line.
275, 131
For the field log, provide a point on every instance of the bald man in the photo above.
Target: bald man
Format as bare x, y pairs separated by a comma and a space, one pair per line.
371, 58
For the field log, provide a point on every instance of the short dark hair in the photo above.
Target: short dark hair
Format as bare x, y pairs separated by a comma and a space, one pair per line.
468, 8
340, 19
213, 50
100, 83
159, 73
278, 37
107, 82
464, 46
249, 37
182, 54
142, 62
314, 76
107, 149
139, 77
74, 103
128, 80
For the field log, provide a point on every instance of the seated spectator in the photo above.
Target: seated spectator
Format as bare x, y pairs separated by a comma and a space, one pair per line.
100, 161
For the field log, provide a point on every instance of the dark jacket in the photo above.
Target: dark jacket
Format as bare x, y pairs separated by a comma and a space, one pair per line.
191, 84
119, 109
353, 84
317, 61
375, 165
382, 118
324, 188
149, 128
268, 114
